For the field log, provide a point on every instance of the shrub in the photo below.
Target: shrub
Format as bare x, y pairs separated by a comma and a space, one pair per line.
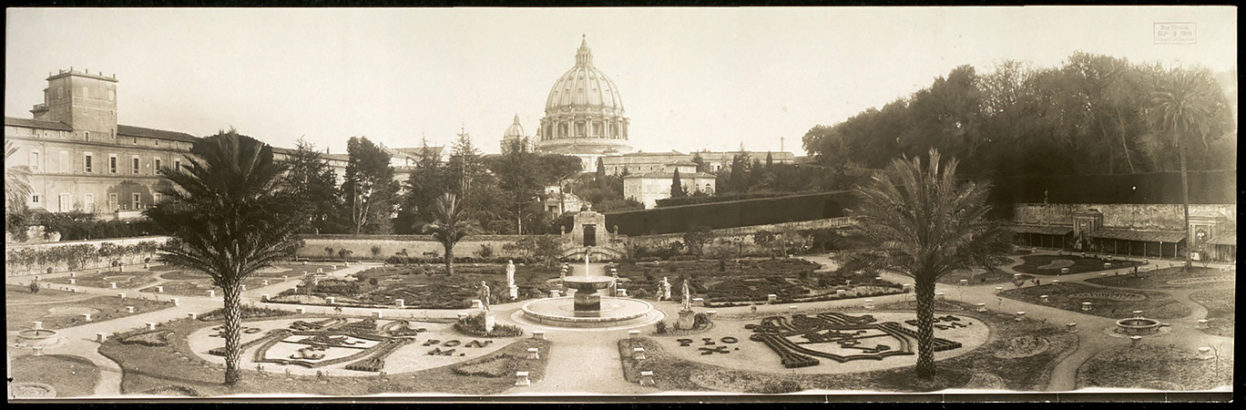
778, 387
485, 251
700, 321
376, 251
659, 328
474, 325
34, 287
248, 312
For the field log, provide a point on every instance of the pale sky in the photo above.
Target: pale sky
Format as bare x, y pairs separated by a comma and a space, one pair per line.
705, 78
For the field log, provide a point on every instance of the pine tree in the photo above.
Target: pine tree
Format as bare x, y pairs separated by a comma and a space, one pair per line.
677, 187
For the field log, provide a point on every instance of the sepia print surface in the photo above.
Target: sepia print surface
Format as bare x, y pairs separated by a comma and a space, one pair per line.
609, 204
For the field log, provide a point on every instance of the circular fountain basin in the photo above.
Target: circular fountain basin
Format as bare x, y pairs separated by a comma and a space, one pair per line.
38, 337
588, 283
561, 312
1138, 326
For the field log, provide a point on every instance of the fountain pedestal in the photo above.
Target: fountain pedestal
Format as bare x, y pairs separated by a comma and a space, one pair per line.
587, 301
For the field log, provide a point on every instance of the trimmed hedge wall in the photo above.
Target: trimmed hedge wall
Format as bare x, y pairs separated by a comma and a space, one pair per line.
1206, 187
731, 214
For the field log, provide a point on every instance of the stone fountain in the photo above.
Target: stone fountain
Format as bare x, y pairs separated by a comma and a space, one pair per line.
588, 308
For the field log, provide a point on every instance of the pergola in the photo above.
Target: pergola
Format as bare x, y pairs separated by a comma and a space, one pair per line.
1224, 247
1044, 236
1138, 243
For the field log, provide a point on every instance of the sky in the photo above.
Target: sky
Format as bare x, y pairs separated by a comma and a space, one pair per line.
690, 79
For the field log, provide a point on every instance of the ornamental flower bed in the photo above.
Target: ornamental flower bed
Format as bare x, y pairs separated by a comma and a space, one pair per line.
1053, 264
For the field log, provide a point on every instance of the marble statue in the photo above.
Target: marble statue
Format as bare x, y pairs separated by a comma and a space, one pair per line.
665, 289
484, 294
510, 273
687, 296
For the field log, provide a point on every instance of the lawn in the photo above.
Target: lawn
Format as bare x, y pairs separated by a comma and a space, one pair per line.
65, 309
1170, 278
1160, 367
1105, 302
175, 368
1220, 310
981, 368
71, 376
1052, 264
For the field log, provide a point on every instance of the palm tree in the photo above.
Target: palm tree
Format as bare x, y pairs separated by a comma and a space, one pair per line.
923, 224
228, 217
1187, 105
449, 225
16, 185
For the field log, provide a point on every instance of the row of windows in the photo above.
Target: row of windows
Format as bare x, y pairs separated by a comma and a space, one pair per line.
65, 202
86, 93
88, 163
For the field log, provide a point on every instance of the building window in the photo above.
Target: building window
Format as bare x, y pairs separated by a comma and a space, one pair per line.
66, 202
112, 163
86, 135
34, 161
62, 163
134, 164
112, 201
135, 200
155, 198
84, 91
34, 198
157, 170
60, 93
86, 163
88, 201
177, 165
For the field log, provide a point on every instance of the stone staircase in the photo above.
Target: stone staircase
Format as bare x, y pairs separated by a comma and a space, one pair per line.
596, 254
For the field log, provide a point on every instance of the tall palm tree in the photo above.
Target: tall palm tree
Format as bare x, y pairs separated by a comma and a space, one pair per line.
923, 223
1185, 106
449, 225
16, 181
228, 216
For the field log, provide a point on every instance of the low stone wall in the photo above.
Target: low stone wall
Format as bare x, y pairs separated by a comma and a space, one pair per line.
1145, 217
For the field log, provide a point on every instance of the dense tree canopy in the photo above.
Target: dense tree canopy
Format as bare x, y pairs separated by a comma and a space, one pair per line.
1087, 116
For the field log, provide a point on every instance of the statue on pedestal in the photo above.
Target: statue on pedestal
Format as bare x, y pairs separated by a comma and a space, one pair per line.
510, 280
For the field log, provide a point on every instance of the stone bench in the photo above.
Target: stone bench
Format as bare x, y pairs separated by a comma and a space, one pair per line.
638, 353
521, 379
633, 334
538, 334
981, 306
534, 353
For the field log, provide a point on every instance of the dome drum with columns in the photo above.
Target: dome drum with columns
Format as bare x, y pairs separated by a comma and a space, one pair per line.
584, 114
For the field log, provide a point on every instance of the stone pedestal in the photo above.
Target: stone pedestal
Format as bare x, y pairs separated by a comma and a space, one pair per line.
300, 310
698, 301
869, 304
964, 282
620, 292
244, 287
939, 295
981, 306
38, 325
1044, 298
121, 295
646, 378
175, 302
191, 315
129, 309
101, 337
686, 319
554, 293
71, 281
86, 317
534, 353
1202, 324
490, 321
1086, 306
638, 353
151, 326
538, 334
331, 300
1020, 316
771, 298
521, 379
633, 334
376, 314
159, 289
211, 293
792, 308
264, 298
1204, 353
113, 284
1137, 314
265, 282
1071, 326
400, 303
512, 292
477, 304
